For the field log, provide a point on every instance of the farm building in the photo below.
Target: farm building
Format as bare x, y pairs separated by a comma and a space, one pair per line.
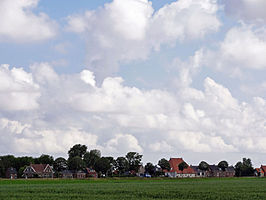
11, 173
215, 171
198, 171
38, 171
80, 174
91, 173
66, 174
261, 172
176, 172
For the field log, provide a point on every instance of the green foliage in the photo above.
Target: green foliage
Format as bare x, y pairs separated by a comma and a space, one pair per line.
244, 168
134, 188
60, 164
134, 160
45, 159
76, 163
102, 165
164, 164
90, 158
182, 166
121, 165
223, 165
150, 168
77, 150
5, 163
203, 166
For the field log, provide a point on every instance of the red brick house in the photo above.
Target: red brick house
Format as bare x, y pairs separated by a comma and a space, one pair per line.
261, 171
38, 171
175, 172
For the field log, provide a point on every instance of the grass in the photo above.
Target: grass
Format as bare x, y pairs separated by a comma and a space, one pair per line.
133, 188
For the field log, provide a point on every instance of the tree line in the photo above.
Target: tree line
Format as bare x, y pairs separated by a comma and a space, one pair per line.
79, 158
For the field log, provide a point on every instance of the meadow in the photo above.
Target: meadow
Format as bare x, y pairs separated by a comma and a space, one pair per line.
133, 188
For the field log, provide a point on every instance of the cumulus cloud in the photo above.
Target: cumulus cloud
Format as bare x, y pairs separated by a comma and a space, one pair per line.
249, 10
116, 118
19, 23
123, 143
126, 30
243, 49
18, 91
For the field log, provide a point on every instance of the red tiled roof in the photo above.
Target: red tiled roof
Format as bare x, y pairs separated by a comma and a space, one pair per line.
39, 168
174, 162
263, 167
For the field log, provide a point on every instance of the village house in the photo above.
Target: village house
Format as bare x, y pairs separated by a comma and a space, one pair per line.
66, 174
91, 173
38, 171
215, 171
80, 174
176, 172
261, 172
198, 171
11, 173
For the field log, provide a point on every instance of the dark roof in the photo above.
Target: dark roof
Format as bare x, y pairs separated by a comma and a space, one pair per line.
67, 172
214, 168
11, 170
230, 169
196, 168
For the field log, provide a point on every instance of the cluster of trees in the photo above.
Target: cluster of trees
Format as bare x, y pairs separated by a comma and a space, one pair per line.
80, 158
243, 168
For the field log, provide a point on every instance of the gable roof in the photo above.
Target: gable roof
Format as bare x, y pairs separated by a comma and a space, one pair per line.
263, 167
214, 168
38, 168
175, 162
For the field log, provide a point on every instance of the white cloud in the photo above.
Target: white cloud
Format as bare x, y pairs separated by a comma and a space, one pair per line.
243, 48
126, 30
72, 109
122, 144
18, 91
249, 10
19, 23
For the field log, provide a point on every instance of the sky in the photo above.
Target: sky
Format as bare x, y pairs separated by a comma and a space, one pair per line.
164, 78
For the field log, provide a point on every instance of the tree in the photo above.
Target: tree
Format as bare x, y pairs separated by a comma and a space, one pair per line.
5, 163
121, 165
238, 168
45, 159
76, 163
247, 168
223, 165
91, 157
244, 168
134, 160
77, 150
182, 166
60, 164
150, 168
203, 166
102, 165
164, 164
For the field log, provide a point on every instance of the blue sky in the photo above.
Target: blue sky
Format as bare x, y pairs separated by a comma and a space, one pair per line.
165, 78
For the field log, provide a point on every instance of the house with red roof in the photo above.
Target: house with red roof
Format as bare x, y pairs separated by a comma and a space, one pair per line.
38, 171
261, 171
176, 172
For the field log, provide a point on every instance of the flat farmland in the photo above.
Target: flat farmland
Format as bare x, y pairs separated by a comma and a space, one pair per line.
132, 188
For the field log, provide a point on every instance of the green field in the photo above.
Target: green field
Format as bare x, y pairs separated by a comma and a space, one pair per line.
211, 188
